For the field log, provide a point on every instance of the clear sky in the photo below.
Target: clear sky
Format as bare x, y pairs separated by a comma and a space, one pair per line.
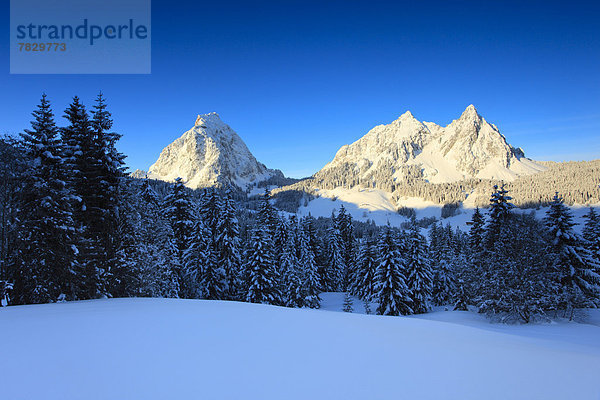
297, 80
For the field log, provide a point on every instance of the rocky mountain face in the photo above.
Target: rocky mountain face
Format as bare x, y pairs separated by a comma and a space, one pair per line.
210, 154
468, 147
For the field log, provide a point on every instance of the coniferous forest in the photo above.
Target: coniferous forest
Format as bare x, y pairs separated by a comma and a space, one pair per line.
75, 226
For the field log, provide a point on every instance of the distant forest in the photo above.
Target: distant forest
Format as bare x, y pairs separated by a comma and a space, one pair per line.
577, 181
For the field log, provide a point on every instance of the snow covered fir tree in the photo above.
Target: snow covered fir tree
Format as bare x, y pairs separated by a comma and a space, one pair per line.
75, 226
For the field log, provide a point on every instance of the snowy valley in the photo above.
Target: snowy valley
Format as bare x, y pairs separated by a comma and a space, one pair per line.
178, 349
200, 281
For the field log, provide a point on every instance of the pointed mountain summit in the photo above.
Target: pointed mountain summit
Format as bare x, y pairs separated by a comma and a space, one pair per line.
210, 154
468, 147
470, 113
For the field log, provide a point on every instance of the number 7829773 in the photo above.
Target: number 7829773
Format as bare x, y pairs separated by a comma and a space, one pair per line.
42, 46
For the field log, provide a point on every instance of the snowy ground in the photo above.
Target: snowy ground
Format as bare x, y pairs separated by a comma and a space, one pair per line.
377, 205
189, 349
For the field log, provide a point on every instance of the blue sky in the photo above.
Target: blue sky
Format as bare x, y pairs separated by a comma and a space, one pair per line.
297, 80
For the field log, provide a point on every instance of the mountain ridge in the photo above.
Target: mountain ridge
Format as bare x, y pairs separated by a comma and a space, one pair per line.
468, 147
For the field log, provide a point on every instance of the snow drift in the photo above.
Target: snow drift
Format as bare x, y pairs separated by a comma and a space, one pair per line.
183, 349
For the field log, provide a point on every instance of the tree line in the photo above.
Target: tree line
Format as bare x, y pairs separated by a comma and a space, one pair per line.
579, 183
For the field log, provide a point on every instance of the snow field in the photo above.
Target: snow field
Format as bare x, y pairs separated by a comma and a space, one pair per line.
183, 349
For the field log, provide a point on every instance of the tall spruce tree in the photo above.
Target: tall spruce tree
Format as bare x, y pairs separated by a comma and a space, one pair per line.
310, 228
474, 270
366, 266
500, 207
348, 246
81, 160
444, 281
180, 213
576, 267
211, 209
157, 256
291, 274
391, 289
104, 194
124, 242
228, 245
420, 276
267, 216
47, 264
263, 282
206, 277
334, 273
591, 233
497, 260
310, 278
462, 298
477, 232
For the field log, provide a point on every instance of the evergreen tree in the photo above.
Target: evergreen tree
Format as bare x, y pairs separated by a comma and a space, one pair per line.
13, 165
124, 270
228, 245
280, 236
309, 227
500, 207
444, 282
104, 194
528, 289
292, 282
81, 160
442, 256
334, 274
263, 285
367, 306
420, 276
348, 303
206, 277
391, 289
47, 256
348, 246
591, 233
473, 271
462, 299
477, 232
267, 216
494, 266
364, 283
211, 209
179, 210
575, 266
156, 254
310, 281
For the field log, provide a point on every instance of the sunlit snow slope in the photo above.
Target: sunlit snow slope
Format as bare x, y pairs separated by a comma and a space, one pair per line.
188, 349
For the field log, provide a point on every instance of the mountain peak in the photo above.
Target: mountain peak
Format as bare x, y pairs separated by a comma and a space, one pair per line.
407, 115
212, 116
470, 112
210, 154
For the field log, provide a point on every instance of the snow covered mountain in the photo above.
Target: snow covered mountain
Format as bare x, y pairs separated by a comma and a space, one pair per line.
469, 147
210, 154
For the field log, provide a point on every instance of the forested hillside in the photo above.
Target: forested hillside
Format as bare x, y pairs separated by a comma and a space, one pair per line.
577, 181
